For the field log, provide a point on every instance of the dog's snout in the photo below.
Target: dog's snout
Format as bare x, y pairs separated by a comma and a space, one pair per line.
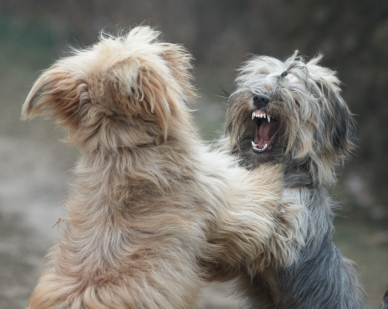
260, 101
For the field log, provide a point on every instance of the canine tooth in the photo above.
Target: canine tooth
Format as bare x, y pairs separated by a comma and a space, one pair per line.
253, 144
253, 115
269, 118
265, 147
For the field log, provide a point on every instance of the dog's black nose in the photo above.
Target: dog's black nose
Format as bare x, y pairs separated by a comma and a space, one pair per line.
260, 101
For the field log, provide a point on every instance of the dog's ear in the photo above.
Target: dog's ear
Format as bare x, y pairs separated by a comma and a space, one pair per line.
339, 126
138, 89
151, 89
336, 136
58, 92
179, 63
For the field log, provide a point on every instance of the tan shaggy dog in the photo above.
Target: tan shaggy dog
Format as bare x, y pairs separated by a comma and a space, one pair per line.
153, 213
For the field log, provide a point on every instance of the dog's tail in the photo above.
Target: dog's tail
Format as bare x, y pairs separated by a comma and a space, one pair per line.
384, 304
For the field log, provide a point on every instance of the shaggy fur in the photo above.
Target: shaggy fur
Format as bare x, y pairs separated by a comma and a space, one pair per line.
153, 213
384, 304
291, 113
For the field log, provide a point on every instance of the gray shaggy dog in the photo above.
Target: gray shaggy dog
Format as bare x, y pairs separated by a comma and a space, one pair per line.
292, 113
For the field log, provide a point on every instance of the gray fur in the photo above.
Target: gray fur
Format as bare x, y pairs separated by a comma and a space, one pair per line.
384, 304
316, 135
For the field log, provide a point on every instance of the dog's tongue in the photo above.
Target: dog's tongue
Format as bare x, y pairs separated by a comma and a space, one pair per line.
267, 130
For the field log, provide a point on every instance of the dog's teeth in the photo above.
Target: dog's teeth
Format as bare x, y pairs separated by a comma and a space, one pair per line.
265, 147
253, 144
263, 115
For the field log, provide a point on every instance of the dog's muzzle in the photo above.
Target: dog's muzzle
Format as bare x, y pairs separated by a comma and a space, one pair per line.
266, 126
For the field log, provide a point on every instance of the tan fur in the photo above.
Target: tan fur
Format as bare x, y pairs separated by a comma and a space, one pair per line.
153, 213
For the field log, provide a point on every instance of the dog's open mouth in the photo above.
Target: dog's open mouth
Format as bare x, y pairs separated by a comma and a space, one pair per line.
265, 132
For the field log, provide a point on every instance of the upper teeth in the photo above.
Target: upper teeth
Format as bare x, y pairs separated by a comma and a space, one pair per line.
261, 115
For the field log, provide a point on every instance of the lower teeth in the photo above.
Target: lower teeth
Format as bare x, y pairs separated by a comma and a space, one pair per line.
261, 149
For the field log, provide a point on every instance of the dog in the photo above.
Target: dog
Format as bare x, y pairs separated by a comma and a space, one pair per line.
154, 213
292, 113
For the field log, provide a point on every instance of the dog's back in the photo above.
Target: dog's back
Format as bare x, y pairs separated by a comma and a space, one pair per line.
153, 213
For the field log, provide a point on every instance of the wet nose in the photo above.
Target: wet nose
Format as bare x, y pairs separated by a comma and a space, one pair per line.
259, 101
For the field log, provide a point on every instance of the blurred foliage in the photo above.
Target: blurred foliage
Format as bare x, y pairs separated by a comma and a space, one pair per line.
352, 34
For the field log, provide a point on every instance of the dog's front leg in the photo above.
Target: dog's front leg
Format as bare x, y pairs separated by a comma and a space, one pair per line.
256, 228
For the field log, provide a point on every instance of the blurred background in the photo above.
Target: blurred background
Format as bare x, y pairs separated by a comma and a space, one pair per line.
35, 168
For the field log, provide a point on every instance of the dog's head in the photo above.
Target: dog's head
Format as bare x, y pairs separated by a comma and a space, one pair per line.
289, 112
122, 92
